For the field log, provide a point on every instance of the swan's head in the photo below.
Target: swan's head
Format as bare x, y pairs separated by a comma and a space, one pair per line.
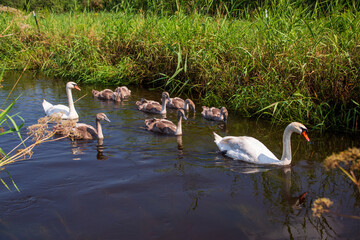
189, 104
72, 85
300, 129
165, 95
225, 113
101, 117
181, 113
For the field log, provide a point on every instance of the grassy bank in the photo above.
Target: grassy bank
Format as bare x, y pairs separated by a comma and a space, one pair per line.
289, 64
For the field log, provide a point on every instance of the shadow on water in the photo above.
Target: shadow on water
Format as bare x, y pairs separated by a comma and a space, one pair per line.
139, 185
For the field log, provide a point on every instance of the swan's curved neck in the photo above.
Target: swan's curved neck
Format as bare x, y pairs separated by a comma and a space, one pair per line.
222, 114
179, 127
286, 155
163, 106
72, 112
186, 105
99, 129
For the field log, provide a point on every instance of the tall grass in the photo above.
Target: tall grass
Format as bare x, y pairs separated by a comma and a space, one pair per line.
284, 62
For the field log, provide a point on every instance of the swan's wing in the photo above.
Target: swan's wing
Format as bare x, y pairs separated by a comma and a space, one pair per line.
164, 126
125, 92
85, 131
178, 102
58, 109
175, 103
247, 149
215, 112
106, 94
151, 107
46, 105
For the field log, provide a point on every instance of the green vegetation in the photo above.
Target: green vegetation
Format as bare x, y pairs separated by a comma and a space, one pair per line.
8, 125
282, 61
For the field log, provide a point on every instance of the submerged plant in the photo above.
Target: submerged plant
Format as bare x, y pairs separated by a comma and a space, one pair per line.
348, 162
321, 206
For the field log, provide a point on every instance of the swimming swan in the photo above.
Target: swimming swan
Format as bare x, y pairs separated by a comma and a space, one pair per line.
178, 103
68, 112
106, 94
165, 126
153, 106
121, 93
82, 130
251, 150
215, 114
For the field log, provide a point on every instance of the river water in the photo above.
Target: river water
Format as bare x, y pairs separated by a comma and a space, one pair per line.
141, 185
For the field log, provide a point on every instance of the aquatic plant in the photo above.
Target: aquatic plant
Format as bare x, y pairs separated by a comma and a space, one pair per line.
9, 125
321, 206
348, 162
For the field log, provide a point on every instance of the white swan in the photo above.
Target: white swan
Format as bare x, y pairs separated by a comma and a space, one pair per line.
68, 112
252, 150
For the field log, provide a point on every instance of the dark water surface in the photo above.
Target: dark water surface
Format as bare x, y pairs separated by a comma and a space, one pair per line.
141, 185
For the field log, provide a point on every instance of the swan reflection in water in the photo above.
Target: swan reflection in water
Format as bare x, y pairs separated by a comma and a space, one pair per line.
79, 147
296, 202
100, 151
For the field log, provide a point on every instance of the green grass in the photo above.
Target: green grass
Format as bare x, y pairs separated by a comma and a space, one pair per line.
297, 64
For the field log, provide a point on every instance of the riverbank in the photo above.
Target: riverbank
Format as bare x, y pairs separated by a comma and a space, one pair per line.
285, 65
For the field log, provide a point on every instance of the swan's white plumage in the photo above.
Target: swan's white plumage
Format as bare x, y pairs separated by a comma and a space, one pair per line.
251, 150
67, 112
51, 109
241, 148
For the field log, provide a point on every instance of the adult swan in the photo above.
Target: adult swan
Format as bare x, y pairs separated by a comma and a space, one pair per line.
68, 112
251, 150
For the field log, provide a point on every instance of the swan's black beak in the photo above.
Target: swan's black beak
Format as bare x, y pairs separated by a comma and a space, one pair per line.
304, 133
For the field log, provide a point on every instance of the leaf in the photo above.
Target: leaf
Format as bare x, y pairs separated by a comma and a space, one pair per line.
5, 112
4, 154
13, 181
5, 184
17, 127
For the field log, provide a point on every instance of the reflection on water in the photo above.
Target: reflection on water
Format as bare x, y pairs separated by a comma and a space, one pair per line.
100, 151
135, 184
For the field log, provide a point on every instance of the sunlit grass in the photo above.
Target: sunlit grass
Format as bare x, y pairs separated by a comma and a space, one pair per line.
282, 62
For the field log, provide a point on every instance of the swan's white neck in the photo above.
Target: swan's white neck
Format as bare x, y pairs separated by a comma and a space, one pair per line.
72, 112
179, 127
99, 129
286, 155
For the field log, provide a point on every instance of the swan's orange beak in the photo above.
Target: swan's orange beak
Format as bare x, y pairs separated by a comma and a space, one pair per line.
304, 133
77, 88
